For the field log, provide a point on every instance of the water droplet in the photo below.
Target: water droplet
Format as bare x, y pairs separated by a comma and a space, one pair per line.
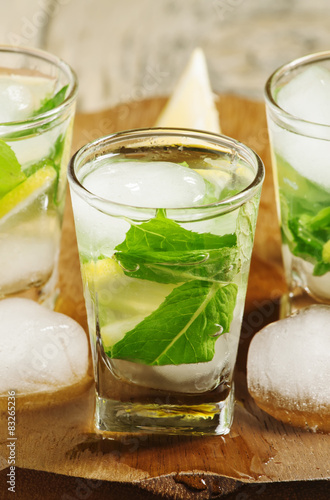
218, 332
137, 267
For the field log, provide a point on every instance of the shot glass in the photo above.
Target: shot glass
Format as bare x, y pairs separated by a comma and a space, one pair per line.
298, 112
37, 104
165, 221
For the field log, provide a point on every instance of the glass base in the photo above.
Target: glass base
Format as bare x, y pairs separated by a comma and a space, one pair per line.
203, 419
292, 302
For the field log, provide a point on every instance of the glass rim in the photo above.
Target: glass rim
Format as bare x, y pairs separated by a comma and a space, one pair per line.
284, 70
59, 63
226, 205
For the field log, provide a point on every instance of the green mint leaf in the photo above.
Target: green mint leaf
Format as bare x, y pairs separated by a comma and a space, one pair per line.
305, 233
321, 221
212, 194
304, 195
10, 170
311, 244
52, 102
183, 329
321, 268
306, 244
161, 250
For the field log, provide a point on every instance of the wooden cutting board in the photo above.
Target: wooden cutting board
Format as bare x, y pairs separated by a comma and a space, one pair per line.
59, 438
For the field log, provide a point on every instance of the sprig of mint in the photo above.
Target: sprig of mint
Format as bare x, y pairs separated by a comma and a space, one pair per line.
52, 102
305, 215
161, 250
11, 173
309, 243
183, 329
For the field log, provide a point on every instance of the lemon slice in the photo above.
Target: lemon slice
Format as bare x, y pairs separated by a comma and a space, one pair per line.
99, 272
119, 294
28, 191
114, 332
192, 102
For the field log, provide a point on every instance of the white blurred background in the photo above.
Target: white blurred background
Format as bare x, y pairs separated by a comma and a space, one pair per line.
131, 49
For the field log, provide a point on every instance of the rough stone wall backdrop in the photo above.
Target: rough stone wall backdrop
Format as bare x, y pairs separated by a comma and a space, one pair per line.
130, 49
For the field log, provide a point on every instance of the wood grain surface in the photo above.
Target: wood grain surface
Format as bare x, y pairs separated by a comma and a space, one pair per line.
58, 438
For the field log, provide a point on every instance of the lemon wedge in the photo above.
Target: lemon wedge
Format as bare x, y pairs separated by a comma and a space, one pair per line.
114, 332
192, 102
28, 191
99, 272
120, 293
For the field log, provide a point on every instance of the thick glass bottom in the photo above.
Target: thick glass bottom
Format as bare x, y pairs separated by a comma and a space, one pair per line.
305, 289
202, 419
298, 299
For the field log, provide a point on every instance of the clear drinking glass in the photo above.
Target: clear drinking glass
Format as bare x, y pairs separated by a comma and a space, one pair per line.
37, 104
165, 222
297, 97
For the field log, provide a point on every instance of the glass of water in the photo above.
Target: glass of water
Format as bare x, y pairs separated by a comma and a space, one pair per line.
165, 223
298, 111
37, 104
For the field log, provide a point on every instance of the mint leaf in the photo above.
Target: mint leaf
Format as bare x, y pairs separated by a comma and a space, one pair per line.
10, 170
303, 194
161, 250
183, 329
321, 268
305, 214
310, 235
52, 102
321, 221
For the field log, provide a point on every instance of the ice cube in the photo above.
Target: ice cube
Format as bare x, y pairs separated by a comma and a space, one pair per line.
288, 367
28, 251
15, 101
307, 95
36, 147
25, 260
153, 184
308, 156
41, 351
21, 95
97, 233
194, 378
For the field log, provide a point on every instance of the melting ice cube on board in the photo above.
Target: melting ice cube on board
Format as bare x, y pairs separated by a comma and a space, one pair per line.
288, 368
41, 351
